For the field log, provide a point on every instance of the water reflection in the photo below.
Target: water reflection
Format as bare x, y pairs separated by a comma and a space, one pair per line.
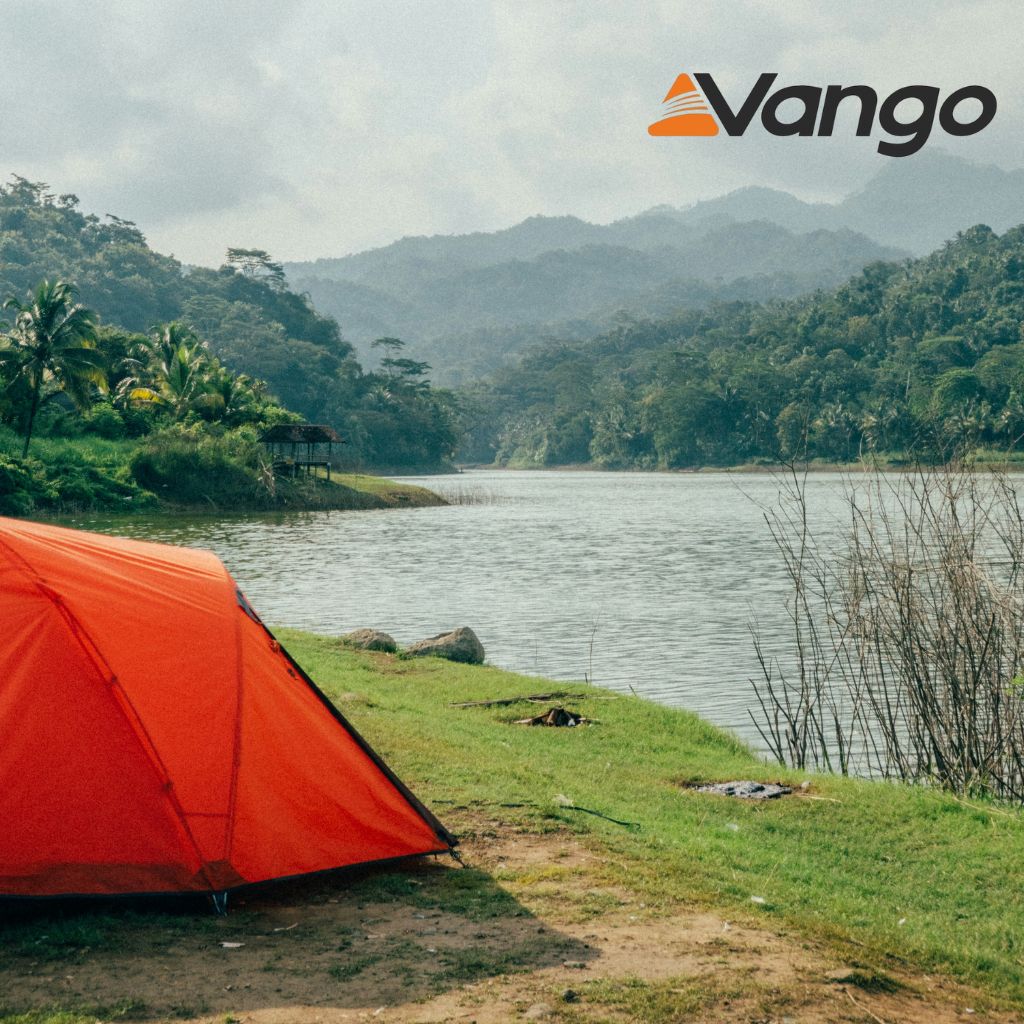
642, 581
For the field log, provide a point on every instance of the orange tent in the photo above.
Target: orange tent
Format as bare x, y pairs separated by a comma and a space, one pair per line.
156, 738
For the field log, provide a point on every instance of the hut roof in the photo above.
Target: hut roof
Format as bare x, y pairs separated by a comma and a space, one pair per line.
301, 433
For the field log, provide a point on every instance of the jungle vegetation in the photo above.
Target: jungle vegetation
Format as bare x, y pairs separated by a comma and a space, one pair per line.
907, 359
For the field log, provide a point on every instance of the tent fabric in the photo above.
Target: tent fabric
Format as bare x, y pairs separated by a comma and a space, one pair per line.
156, 738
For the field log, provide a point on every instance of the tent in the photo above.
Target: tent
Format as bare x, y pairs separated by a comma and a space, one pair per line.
156, 738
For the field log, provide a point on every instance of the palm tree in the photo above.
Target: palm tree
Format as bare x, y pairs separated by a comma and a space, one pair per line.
53, 341
169, 369
230, 396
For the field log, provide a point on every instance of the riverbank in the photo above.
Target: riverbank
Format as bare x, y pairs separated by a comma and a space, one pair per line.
844, 900
893, 462
181, 471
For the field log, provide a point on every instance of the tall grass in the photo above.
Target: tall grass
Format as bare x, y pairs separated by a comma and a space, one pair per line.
908, 639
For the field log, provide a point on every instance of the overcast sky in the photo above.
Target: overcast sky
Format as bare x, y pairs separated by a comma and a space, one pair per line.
314, 128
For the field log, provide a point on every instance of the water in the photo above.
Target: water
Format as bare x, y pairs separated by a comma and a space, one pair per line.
638, 581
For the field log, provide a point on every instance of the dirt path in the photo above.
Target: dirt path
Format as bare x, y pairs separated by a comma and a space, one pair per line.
525, 932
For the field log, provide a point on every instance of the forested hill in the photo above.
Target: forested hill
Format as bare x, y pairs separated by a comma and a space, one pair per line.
909, 357
471, 303
251, 320
468, 304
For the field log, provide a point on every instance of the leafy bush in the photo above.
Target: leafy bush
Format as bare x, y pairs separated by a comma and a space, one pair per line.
64, 477
104, 421
19, 488
193, 466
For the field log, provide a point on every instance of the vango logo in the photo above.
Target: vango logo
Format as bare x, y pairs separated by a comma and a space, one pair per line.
812, 110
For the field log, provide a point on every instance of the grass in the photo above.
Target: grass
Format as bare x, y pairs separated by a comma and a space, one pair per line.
128, 1010
381, 492
178, 472
900, 875
890, 878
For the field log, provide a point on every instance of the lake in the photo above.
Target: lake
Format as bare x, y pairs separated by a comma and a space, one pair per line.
639, 581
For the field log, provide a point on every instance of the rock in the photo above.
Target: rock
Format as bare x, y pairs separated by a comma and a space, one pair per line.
457, 645
370, 640
539, 1011
747, 790
570, 996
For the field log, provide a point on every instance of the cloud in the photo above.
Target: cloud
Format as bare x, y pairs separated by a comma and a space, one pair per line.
314, 128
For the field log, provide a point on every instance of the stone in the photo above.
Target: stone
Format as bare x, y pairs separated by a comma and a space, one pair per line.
370, 640
747, 790
456, 645
539, 1011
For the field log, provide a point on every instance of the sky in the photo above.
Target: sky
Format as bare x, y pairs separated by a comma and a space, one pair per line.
313, 128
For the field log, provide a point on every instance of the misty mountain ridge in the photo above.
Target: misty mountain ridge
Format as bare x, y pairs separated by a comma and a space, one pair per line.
914, 204
466, 311
469, 303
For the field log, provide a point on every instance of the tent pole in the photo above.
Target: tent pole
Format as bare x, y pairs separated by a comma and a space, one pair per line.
220, 903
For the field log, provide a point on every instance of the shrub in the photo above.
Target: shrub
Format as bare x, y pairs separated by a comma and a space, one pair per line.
195, 467
19, 488
66, 476
104, 421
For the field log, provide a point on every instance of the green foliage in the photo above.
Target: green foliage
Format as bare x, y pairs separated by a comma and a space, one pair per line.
926, 356
65, 476
192, 466
180, 344
899, 871
52, 346
105, 421
20, 488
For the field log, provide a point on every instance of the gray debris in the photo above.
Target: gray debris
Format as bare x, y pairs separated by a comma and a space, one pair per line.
747, 790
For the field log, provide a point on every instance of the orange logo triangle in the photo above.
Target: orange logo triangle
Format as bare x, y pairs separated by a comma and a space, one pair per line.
686, 113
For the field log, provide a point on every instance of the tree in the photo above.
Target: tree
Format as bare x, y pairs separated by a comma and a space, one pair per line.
170, 369
392, 348
53, 342
256, 263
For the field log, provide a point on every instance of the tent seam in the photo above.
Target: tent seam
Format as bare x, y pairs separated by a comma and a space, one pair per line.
236, 760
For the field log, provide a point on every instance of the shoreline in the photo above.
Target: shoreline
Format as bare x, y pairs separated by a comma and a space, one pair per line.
576, 848
813, 468
191, 476
356, 496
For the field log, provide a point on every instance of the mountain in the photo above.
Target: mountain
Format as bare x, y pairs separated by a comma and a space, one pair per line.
911, 204
468, 304
920, 205
755, 203
920, 358
252, 323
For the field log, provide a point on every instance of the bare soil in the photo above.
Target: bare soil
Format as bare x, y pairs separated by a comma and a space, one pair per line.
526, 931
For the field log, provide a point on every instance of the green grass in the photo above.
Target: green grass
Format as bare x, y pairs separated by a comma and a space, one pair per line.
194, 473
895, 875
384, 491
128, 1010
840, 871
